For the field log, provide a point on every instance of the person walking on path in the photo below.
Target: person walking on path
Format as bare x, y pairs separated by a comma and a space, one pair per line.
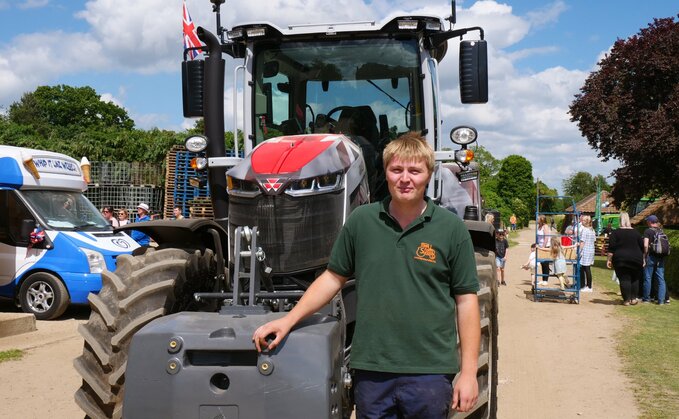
405, 247
655, 263
587, 239
501, 246
626, 256
512, 222
143, 215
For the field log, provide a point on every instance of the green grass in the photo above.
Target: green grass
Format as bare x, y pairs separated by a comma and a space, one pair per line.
11, 355
648, 347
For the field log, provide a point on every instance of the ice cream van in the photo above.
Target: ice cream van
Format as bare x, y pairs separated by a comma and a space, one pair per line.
54, 243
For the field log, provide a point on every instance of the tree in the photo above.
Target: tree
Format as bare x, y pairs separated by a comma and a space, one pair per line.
488, 165
549, 204
67, 106
628, 109
515, 182
581, 184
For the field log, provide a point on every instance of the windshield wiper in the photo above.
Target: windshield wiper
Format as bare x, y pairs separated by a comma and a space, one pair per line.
390, 96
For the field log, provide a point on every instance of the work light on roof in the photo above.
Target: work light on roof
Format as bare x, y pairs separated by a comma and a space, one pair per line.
235, 34
407, 24
433, 26
255, 32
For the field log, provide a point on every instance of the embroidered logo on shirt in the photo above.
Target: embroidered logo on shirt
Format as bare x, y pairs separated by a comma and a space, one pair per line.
426, 253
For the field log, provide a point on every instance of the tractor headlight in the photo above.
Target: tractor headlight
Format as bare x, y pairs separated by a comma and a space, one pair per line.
463, 135
196, 143
240, 187
317, 185
95, 260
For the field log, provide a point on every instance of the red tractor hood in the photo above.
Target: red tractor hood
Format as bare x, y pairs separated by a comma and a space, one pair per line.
288, 158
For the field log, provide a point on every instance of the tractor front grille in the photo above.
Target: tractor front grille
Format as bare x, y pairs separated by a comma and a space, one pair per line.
297, 234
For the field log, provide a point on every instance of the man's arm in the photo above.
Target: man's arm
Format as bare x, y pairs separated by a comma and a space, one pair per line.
466, 390
321, 291
646, 242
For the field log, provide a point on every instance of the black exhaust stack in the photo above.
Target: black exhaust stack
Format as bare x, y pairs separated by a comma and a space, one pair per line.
213, 113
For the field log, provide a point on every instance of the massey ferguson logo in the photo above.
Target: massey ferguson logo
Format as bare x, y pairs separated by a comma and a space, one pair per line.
272, 184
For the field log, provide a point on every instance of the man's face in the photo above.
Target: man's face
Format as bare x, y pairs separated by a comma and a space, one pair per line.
407, 180
176, 212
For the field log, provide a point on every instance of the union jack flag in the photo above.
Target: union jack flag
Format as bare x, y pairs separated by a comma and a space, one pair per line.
190, 36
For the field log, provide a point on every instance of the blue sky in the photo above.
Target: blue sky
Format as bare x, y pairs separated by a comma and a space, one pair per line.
541, 51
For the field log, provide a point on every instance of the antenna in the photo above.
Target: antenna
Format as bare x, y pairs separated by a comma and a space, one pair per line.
216, 5
453, 16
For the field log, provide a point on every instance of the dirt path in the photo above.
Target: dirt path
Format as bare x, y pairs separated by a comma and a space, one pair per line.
557, 360
42, 384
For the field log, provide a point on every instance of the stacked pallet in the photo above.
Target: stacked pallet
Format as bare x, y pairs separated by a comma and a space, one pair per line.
178, 189
201, 208
125, 185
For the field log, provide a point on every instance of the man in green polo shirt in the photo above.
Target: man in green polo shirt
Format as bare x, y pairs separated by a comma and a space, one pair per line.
415, 272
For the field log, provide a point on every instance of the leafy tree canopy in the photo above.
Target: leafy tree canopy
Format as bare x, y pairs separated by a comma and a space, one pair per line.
515, 187
488, 165
67, 106
581, 184
628, 109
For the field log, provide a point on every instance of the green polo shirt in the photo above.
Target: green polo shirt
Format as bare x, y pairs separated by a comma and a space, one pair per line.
406, 281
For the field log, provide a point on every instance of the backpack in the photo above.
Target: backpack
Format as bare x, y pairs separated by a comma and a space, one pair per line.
660, 246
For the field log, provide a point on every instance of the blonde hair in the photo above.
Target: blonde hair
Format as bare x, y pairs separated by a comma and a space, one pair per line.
490, 218
586, 220
555, 248
410, 146
123, 211
624, 220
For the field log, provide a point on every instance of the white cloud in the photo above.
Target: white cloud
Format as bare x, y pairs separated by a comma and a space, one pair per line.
33, 4
547, 14
527, 113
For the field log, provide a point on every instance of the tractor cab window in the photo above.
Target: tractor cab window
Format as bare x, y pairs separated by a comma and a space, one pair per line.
366, 88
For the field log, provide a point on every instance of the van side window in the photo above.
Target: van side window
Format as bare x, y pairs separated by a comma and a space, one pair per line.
13, 212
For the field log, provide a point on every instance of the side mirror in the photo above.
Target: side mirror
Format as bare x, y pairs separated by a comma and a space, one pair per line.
474, 71
192, 87
270, 69
27, 227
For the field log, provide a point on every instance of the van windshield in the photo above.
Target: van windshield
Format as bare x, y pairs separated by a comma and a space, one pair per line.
66, 210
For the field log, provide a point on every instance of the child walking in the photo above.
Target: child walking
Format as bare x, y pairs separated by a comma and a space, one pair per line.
559, 263
530, 263
501, 246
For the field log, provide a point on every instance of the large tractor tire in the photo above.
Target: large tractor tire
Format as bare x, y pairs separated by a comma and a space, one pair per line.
141, 289
486, 407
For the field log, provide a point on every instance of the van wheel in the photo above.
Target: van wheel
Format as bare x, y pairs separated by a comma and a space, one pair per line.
43, 295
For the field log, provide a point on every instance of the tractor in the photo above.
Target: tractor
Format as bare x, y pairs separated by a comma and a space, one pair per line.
169, 335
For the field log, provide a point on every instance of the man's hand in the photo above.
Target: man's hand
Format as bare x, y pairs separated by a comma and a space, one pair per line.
321, 291
465, 392
278, 328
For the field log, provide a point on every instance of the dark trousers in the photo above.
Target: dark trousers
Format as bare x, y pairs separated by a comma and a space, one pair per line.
586, 276
629, 282
545, 271
402, 396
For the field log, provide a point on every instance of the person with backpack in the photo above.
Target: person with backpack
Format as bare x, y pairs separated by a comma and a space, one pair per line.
656, 247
